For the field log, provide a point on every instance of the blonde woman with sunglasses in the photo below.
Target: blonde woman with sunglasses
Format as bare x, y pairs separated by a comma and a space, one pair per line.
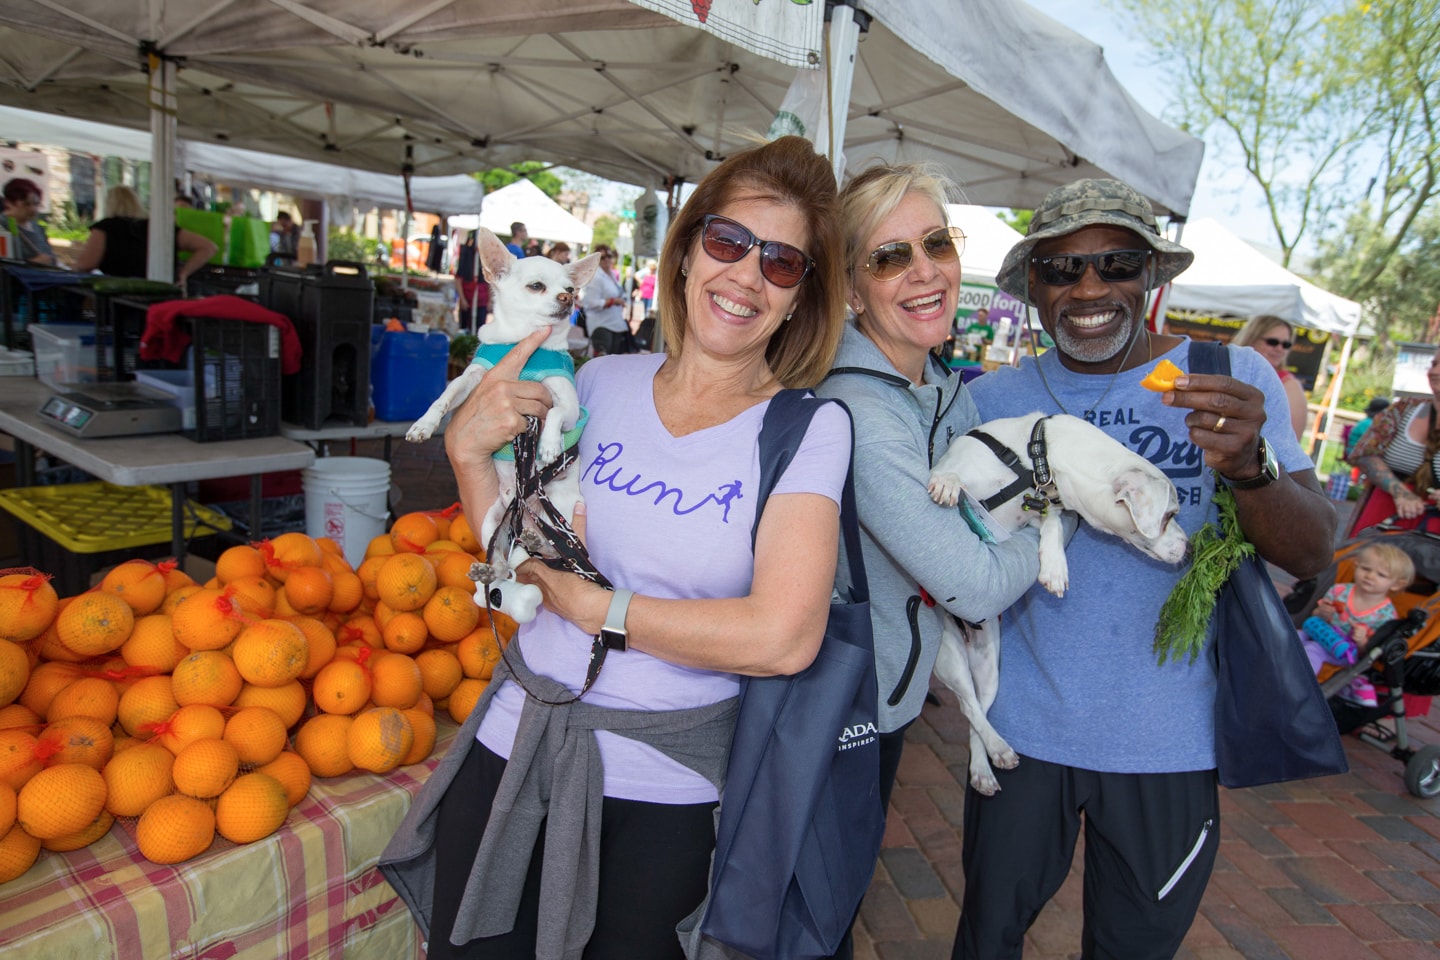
1272, 338
903, 267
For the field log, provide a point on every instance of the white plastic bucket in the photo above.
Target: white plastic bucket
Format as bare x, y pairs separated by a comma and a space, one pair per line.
345, 500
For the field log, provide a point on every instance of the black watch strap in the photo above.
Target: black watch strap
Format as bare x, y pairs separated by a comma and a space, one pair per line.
1269, 471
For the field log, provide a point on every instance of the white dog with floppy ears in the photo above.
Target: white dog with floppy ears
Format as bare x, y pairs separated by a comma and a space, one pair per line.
525, 295
1025, 470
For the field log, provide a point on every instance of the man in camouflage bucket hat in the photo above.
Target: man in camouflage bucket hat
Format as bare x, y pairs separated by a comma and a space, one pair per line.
1100, 726
1087, 203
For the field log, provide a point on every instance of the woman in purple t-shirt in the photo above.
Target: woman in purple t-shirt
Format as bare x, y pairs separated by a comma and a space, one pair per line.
545, 832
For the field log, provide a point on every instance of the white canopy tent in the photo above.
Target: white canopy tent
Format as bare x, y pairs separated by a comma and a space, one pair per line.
1230, 277
248, 168
522, 201
634, 90
987, 240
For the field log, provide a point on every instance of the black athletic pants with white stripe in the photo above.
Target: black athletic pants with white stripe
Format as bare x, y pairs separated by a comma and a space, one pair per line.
1150, 844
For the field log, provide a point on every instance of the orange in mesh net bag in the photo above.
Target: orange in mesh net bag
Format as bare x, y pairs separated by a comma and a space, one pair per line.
251, 808
174, 829
60, 800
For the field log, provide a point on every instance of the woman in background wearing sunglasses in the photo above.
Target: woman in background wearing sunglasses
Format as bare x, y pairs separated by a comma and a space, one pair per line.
751, 292
1272, 338
903, 265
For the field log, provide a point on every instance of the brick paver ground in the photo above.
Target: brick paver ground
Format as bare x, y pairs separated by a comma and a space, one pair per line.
1345, 867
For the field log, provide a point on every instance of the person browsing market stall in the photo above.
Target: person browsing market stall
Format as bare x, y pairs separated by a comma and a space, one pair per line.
604, 305
119, 245
751, 283
1400, 457
22, 207
1272, 338
1145, 784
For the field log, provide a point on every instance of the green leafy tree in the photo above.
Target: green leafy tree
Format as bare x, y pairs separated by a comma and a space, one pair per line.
344, 244
533, 170
1404, 296
1333, 107
607, 230
1016, 219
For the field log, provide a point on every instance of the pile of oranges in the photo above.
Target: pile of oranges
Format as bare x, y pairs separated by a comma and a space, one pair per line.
187, 710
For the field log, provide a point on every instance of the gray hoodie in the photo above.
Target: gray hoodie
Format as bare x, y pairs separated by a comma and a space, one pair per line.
909, 542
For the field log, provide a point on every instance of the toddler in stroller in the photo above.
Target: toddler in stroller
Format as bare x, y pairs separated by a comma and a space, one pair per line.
1339, 630
1397, 657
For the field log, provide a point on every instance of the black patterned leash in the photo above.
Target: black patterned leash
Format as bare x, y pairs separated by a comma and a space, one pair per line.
550, 528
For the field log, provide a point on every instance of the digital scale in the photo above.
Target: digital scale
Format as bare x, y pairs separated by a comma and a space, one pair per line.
112, 410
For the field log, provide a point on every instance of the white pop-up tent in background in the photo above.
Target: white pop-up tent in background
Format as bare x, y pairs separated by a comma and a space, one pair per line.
238, 167
1231, 278
523, 202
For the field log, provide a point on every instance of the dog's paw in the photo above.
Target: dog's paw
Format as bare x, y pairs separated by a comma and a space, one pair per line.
984, 783
530, 544
484, 573
1054, 577
1006, 758
421, 430
548, 451
944, 488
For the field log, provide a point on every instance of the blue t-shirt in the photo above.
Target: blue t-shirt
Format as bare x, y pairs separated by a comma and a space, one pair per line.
1079, 683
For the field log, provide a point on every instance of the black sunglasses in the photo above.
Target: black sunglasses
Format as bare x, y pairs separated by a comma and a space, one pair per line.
1282, 344
891, 260
729, 242
1113, 266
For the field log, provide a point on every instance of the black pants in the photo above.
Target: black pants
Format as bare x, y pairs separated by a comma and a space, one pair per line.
1150, 843
654, 867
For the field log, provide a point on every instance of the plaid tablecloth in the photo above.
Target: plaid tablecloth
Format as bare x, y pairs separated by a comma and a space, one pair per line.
308, 890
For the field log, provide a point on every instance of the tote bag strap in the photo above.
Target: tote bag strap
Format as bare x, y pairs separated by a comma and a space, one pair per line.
781, 432
1209, 356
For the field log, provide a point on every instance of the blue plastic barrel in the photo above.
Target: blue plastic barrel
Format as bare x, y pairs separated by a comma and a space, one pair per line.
407, 372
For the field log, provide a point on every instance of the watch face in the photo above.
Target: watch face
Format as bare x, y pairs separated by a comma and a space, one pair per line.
1268, 465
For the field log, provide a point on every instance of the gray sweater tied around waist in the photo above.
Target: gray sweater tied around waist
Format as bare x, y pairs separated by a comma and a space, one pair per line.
553, 775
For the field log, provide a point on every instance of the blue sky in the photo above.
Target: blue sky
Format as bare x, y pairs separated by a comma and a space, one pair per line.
1224, 190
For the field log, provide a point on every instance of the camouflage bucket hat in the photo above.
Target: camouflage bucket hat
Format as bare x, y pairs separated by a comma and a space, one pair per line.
1088, 203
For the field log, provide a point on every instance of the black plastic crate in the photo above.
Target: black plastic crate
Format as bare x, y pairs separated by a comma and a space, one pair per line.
217, 279
119, 309
30, 294
236, 374
398, 307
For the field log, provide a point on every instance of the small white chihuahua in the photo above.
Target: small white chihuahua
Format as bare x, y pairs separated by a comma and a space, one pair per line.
525, 295
1075, 466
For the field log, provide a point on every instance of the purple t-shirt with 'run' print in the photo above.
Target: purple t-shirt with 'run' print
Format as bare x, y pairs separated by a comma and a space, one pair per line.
667, 517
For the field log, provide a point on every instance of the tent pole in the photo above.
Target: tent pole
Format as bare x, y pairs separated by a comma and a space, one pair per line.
1336, 385
160, 264
840, 51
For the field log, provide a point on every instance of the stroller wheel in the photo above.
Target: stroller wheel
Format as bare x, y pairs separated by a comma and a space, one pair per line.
1422, 773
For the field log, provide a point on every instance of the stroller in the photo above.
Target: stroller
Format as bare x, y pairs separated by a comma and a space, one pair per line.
1402, 656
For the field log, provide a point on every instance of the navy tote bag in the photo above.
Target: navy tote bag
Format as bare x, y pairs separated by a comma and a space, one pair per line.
800, 818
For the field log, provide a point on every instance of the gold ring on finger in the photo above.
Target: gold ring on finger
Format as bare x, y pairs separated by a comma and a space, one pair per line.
1219, 425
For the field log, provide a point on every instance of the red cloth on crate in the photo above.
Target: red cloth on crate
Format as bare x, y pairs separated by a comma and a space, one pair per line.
165, 339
